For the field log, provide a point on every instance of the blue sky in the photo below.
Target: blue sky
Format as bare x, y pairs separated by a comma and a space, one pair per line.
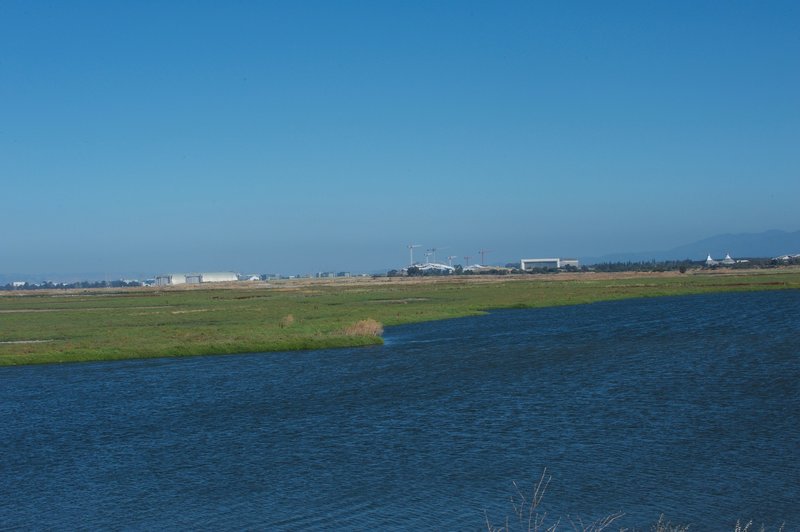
304, 136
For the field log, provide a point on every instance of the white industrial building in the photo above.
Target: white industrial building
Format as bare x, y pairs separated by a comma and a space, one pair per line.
218, 277
546, 264
195, 278
170, 279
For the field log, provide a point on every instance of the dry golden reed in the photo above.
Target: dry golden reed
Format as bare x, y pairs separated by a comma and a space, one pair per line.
368, 327
287, 321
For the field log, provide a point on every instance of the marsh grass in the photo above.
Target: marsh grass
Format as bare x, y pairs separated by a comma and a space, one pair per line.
109, 324
667, 526
368, 327
527, 516
748, 527
287, 321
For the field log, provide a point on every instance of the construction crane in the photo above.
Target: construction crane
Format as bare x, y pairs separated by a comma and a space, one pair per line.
483, 253
411, 253
432, 251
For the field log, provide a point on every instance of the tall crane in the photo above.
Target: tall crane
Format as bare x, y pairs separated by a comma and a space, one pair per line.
483, 253
411, 253
432, 251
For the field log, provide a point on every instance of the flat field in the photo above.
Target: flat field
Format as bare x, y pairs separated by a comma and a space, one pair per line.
106, 324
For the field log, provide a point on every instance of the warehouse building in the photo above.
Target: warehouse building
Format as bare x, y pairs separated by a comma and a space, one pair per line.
195, 278
170, 279
218, 277
546, 264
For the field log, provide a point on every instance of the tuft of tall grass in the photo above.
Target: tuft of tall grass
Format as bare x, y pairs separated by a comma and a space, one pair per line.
662, 526
368, 327
747, 527
286, 321
528, 517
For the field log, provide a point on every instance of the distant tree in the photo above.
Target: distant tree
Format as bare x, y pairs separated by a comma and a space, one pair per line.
413, 270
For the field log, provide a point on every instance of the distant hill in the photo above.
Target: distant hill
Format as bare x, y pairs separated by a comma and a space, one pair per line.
767, 244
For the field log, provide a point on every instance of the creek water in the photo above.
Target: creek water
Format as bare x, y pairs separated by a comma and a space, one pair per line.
686, 406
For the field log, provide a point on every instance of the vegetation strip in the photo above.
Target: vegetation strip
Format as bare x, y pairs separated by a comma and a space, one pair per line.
291, 316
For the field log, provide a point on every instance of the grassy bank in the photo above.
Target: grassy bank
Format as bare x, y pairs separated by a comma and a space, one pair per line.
105, 324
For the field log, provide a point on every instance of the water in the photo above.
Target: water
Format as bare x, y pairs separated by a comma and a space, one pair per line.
688, 406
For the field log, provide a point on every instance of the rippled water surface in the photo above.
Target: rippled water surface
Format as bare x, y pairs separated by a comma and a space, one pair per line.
688, 406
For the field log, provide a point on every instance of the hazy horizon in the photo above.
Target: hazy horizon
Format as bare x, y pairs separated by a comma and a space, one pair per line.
317, 136
715, 250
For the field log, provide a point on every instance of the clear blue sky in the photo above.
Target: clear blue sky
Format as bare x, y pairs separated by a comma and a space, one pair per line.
303, 136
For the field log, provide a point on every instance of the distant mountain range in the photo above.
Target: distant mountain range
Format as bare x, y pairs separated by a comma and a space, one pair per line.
767, 244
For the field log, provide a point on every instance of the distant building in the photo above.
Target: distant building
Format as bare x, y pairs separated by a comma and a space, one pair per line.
728, 260
18, 284
195, 278
547, 264
435, 267
171, 279
218, 277
711, 262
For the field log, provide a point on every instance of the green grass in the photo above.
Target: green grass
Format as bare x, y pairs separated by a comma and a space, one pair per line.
139, 323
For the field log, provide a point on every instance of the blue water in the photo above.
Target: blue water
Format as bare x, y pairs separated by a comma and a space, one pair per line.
687, 406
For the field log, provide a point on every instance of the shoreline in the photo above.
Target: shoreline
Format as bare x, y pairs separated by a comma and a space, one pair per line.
82, 325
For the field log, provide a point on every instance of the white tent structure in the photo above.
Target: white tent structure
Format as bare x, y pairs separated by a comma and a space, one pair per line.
435, 266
